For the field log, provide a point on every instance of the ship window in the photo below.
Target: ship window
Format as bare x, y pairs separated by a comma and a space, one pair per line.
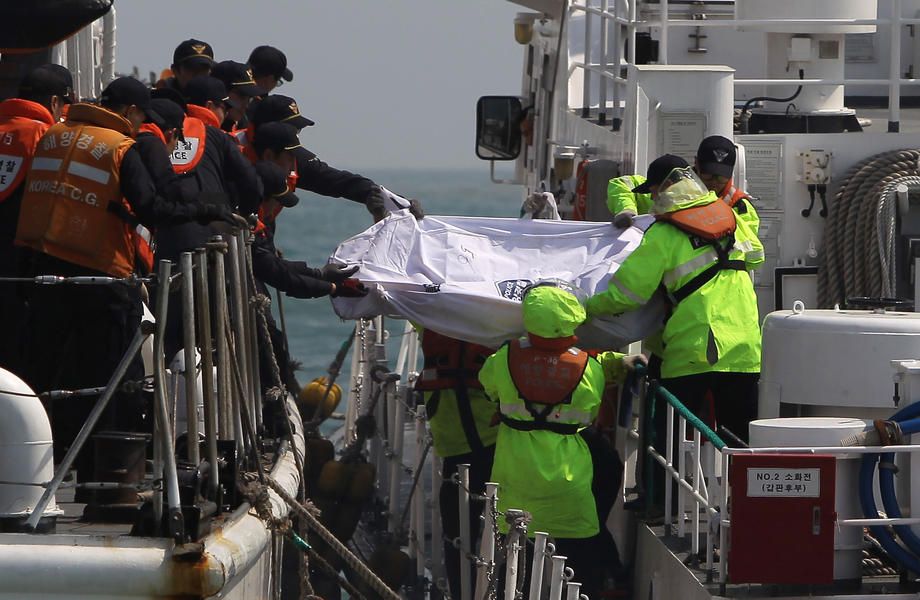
829, 49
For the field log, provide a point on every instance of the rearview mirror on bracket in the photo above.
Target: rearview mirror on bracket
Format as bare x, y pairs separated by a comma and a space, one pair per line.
498, 127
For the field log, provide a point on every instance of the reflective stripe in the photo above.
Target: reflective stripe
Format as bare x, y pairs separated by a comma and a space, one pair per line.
749, 256
89, 172
143, 232
745, 246
626, 291
562, 414
42, 163
698, 262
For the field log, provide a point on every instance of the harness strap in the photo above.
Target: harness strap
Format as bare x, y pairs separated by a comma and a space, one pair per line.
560, 428
722, 264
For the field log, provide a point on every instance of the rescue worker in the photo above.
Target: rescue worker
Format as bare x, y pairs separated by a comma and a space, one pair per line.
548, 391
715, 164
241, 89
460, 420
313, 174
211, 169
712, 337
43, 93
85, 191
269, 67
295, 278
191, 58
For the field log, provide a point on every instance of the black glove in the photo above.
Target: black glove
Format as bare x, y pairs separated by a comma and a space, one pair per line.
374, 201
213, 212
415, 209
350, 288
336, 273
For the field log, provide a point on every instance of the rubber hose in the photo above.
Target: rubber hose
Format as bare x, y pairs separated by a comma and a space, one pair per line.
867, 502
890, 501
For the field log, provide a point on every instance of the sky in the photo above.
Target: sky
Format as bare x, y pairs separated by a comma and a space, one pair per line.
390, 83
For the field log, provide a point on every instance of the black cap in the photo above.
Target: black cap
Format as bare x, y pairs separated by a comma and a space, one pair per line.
659, 170
716, 155
275, 183
127, 91
193, 53
169, 94
279, 108
268, 60
277, 137
237, 77
201, 89
171, 114
49, 79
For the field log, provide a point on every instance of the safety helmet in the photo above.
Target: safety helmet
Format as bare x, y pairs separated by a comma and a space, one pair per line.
679, 187
552, 310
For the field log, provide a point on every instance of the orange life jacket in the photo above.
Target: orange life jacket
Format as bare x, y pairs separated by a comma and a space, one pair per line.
448, 362
72, 207
143, 249
732, 195
152, 130
188, 153
245, 137
22, 124
710, 222
545, 377
203, 114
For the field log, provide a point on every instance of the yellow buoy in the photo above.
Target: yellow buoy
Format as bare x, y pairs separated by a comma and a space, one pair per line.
311, 396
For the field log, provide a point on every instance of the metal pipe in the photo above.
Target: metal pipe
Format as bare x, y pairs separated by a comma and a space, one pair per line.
111, 387
682, 485
682, 472
617, 53
555, 578
162, 423
107, 63
536, 567
807, 82
697, 443
668, 493
663, 42
631, 30
894, 70
421, 450
191, 367
246, 323
824, 450
603, 82
486, 564
207, 369
226, 419
586, 83
572, 590
398, 434
437, 546
463, 486
517, 538
253, 330
724, 525
236, 345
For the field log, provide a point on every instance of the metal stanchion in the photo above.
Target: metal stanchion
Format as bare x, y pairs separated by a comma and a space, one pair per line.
207, 369
238, 325
556, 580
466, 575
229, 421
486, 564
437, 546
536, 567
188, 341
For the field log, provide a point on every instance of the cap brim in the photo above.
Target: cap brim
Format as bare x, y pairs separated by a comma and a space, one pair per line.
155, 118
288, 200
645, 188
289, 148
248, 90
197, 61
287, 75
717, 169
298, 121
228, 102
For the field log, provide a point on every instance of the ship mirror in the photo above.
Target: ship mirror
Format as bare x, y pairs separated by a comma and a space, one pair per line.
498, 127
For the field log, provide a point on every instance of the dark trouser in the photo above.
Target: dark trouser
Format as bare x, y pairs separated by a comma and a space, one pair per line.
586, 557
605, 485
480, 470
77, 335
720, 399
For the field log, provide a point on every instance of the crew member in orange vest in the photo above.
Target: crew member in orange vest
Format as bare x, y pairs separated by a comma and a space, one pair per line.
85, 190
241, 89
192, 58
23, 120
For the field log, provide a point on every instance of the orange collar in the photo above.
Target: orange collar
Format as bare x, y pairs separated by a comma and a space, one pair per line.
204, 115
560, 344
154, 130
17, 107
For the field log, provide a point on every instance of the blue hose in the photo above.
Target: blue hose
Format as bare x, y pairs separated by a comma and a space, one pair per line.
867, 501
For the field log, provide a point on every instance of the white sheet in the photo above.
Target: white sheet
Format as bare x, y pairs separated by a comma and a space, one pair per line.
462, 276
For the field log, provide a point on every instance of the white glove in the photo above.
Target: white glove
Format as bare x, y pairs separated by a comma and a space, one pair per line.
631, 361
624, 219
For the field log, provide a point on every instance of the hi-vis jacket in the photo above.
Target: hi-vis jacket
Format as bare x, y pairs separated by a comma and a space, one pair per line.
459, 413
73, 207
715, 328
545, 472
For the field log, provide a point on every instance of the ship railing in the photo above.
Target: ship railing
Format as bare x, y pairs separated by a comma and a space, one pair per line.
619, 20
222, 320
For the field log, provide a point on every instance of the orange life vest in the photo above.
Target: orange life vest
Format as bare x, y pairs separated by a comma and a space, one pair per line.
732, 195
710, 222
72, 207
22, 124
245, 137
448, 362
143, 249
545, 377
203, 114
188, 153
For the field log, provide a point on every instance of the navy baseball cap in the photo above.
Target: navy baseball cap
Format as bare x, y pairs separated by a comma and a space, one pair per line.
237, 77
279, 108
193, 53
127, 91
268, 60
171, 114
659, 170
275, 183
202, 89
277, 137
717, 155
48, 79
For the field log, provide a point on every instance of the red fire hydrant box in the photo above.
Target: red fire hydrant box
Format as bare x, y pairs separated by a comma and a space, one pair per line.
782, 518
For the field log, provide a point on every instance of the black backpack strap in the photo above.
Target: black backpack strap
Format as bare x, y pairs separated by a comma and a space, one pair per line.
722, 264
560, 428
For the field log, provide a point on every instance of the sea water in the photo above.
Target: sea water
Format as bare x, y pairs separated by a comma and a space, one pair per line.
311, 231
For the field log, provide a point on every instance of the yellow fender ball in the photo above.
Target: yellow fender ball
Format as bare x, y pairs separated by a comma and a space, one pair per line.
311, 396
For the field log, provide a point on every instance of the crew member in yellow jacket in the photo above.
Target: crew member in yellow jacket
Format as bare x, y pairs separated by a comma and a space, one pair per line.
547, 391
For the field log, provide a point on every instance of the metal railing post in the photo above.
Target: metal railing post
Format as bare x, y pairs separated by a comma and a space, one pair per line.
437, 532
536, 567
234, 316
894, 72
253, 321
111, 387
586, 88
631, 30
724, 524
556, 580
572, 590
463, 487
663, 43
207, 369
517, 541
191, 368
227, 421
697, 443
603, 82
486, 565
398, 435
419, 499
682, 473
617, 53
669, 456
